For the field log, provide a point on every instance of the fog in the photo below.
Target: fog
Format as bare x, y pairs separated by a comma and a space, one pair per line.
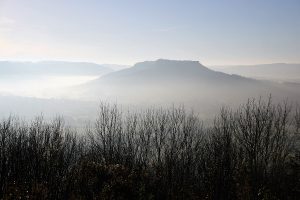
280, 72
40, 86
75, 89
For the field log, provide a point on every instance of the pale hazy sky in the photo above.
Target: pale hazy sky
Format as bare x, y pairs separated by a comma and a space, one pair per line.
214, 32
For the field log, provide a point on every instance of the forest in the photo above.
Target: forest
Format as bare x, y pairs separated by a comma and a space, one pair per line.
252, 152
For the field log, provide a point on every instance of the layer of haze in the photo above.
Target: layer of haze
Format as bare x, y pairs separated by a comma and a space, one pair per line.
219, 32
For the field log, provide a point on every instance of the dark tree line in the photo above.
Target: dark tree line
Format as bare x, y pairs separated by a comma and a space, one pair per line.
250, 153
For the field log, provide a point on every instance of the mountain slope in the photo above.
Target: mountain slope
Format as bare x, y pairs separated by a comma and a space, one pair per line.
167, 71
188, 82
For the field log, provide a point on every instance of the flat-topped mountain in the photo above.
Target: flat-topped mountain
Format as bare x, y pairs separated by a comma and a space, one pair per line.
146, 83
179, 81
167, 71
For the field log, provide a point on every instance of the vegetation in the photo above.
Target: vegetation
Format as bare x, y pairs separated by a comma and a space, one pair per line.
251, 153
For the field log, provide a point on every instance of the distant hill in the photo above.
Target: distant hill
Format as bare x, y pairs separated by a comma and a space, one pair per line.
52, 68
276, 71
189, 82
115, 67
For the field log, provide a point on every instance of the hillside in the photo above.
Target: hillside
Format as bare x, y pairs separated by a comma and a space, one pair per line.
166, 71
188, 82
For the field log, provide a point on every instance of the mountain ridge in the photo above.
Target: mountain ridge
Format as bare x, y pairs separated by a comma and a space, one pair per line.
52, 68
175, 81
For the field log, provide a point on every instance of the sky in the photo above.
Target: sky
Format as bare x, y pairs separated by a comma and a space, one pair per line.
214, 32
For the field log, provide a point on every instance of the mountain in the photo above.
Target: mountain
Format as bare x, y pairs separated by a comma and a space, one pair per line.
161, 82
276, 71
52, 68
189, 82
152, 72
